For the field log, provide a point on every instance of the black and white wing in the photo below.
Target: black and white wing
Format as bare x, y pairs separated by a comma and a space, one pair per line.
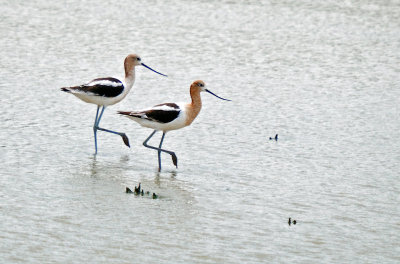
162, 113
107, 87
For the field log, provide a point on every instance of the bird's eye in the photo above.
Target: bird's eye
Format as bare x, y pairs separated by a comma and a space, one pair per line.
138, 59
201, 85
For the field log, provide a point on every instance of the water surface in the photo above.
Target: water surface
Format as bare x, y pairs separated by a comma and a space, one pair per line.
324, 76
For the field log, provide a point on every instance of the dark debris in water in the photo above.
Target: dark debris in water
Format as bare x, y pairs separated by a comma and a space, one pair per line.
274, 138
290, 221
139, 191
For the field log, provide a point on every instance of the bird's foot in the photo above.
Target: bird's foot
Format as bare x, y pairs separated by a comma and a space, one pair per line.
174, 159
125, 139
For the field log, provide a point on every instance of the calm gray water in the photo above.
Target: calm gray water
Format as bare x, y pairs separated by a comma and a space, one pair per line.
324, 76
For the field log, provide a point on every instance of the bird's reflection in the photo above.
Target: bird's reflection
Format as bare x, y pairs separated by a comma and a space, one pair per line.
157, 178
173, 174
93, 167
98, 167
124, 158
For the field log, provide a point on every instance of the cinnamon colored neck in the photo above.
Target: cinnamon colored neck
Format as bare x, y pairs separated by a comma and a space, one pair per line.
194, 106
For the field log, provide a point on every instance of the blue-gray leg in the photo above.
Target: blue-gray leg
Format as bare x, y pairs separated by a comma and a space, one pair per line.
96, 127
101, 115
159, 149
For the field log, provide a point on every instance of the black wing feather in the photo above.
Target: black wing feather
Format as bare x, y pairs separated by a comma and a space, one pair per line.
157, 115
162, 116
101, 89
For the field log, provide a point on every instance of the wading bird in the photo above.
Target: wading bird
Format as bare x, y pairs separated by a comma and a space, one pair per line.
170, 116
108, 91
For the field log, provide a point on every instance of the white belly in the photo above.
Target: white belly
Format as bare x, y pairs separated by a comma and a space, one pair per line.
98, 100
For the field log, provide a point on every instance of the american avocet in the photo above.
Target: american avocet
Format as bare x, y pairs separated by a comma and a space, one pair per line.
170, 116
108, 91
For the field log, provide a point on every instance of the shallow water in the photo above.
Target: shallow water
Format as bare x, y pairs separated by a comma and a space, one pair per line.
324, 76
